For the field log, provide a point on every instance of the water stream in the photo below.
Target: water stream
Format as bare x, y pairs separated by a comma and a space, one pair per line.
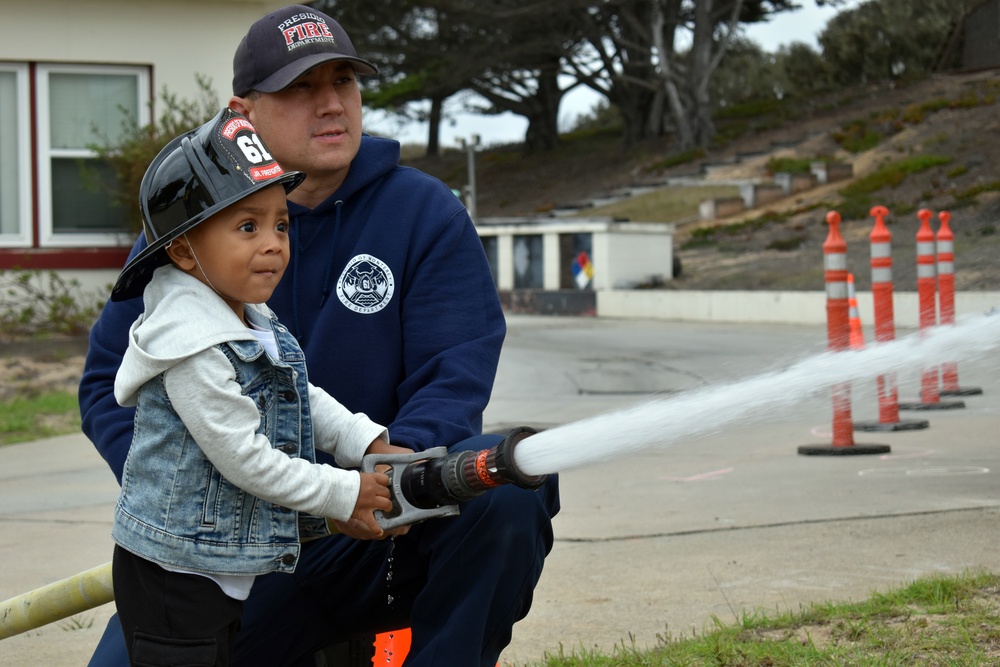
664, 422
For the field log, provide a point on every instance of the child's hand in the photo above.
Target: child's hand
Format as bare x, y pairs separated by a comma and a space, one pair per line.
374, 495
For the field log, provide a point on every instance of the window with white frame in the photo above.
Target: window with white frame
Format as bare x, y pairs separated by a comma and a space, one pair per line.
15, 160
80, 107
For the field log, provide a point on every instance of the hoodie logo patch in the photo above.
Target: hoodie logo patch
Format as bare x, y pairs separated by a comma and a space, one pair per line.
366, 285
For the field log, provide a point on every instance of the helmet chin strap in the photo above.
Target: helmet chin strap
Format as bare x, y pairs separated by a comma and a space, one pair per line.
208, 280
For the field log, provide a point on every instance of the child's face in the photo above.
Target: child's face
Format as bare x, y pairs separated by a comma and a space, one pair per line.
243, 249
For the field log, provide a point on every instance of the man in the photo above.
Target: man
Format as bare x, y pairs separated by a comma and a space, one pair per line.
389, 294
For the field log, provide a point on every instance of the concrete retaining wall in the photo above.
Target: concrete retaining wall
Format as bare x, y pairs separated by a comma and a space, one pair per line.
766, 307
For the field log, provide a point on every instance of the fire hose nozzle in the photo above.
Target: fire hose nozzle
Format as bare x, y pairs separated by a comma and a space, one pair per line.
432, 483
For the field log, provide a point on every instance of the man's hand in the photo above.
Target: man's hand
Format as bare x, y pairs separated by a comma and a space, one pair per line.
359, 530
380, 446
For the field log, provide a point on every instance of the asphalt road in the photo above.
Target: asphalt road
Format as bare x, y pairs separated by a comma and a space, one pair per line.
657, 542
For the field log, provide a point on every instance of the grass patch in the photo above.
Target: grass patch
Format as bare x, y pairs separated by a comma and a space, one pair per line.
860, 135
977, 190
668, 204
42, 416
789, 165
934, 621
677, 159
711, 235
857, 196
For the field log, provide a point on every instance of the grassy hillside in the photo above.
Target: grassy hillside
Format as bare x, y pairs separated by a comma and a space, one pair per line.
931, 144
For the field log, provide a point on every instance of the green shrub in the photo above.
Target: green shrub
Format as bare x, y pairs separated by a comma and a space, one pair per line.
39, 303
893, 173
789, 165
677, 159
130, 156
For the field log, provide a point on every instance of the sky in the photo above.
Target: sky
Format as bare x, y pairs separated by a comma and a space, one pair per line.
802, 25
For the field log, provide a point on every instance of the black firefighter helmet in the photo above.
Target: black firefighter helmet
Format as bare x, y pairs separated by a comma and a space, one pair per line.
195, 176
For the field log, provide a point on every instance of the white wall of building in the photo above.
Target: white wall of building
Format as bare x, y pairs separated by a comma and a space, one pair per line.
178, 38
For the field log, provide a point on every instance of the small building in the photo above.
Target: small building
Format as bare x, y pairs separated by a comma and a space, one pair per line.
557, 265
71, 72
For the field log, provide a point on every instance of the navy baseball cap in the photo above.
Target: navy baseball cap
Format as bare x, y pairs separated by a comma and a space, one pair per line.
285, 44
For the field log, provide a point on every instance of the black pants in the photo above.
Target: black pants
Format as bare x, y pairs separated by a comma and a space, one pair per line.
184, 620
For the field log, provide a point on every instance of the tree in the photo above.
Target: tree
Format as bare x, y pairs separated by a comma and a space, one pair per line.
424, 51
652, 59
804, 70
655, 59
506, 51
746, 73
888, 39
528, 44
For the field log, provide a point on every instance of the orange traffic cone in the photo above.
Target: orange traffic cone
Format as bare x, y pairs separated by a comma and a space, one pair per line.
857, 335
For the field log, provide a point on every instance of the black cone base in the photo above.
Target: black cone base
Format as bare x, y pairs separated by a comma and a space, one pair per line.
901, 425
843, 450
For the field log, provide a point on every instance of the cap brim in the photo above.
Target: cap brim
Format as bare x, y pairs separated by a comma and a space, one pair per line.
290, 72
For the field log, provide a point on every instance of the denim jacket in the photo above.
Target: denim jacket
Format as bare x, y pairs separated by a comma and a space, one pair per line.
220, 477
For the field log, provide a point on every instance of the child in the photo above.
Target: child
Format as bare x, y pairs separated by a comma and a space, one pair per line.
220, 483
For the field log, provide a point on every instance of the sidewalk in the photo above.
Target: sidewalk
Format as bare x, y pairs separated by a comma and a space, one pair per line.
655, 543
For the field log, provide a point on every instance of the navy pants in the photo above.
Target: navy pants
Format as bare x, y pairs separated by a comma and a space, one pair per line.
460, 583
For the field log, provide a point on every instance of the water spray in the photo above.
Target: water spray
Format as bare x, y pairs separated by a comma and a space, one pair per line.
660, 423
432, 483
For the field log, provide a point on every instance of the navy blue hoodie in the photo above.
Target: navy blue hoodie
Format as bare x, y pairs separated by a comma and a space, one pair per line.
390, 296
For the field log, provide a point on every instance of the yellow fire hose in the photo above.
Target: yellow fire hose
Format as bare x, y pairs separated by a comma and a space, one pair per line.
58, 600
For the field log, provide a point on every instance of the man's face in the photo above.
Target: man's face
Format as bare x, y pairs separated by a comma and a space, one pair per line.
313, 125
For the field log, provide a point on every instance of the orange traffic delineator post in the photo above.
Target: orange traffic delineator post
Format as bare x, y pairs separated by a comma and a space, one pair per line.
838, 332
945, 240
930, 397
885, 328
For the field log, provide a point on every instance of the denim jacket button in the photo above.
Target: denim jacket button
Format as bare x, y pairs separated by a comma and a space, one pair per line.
288, 448
288, 395
288, 559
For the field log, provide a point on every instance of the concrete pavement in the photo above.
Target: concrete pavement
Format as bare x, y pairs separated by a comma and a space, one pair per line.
656, 543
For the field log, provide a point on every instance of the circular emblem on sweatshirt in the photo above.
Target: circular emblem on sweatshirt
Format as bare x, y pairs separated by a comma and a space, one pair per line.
366, 285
